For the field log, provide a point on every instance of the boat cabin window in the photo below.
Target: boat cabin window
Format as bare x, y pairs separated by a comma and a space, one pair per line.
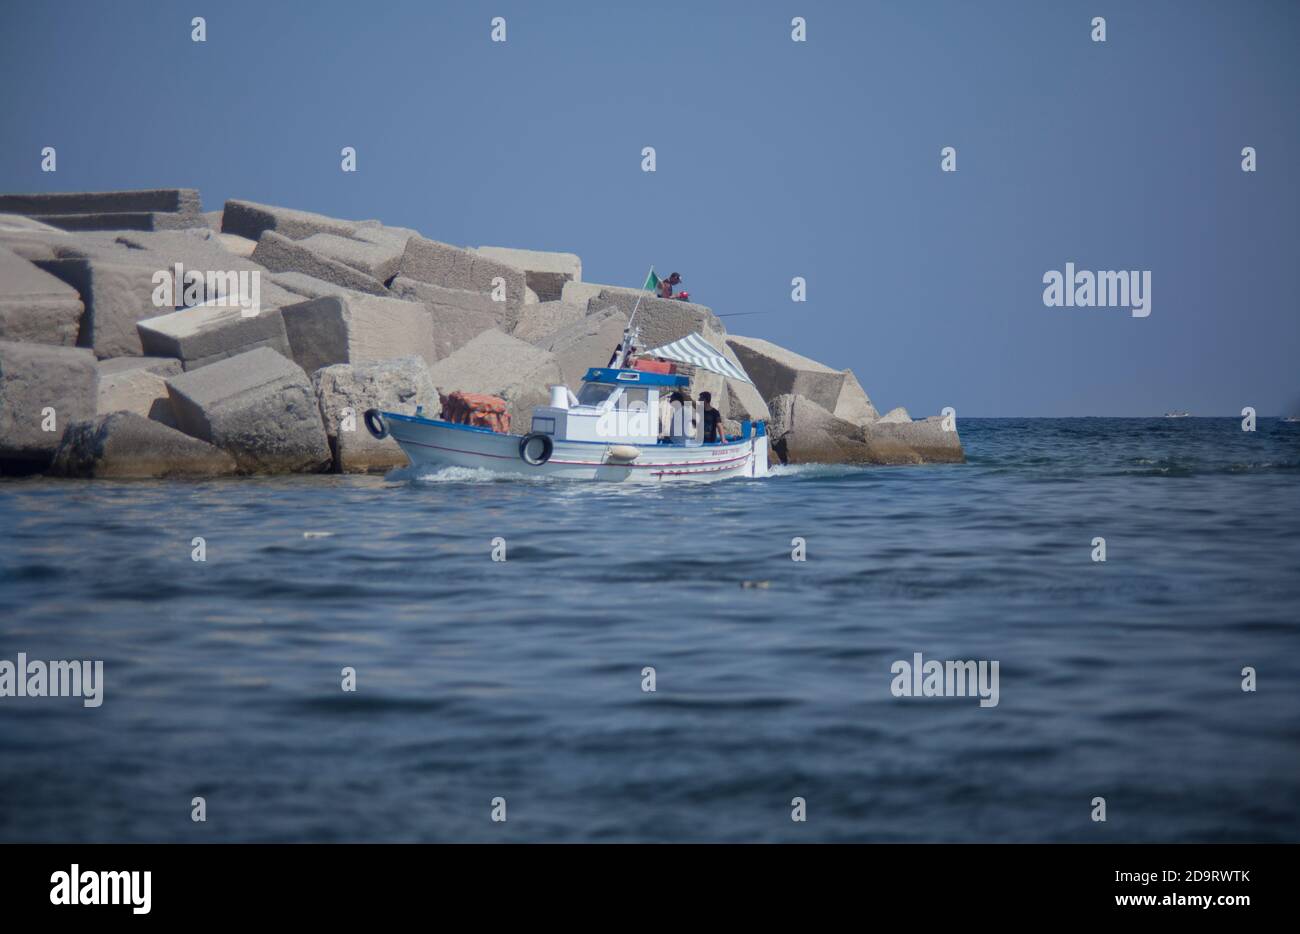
595, 393
635, 397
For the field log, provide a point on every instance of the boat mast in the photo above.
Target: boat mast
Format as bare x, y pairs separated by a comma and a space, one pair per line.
629, 332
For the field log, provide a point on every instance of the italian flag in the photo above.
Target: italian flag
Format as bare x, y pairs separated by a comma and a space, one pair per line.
651, 282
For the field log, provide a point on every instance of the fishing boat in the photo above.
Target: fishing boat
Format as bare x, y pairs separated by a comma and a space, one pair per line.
1178, 415
610, 430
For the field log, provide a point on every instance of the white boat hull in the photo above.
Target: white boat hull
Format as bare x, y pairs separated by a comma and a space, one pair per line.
435, 444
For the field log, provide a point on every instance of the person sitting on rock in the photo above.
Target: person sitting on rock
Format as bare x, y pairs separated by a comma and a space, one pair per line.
712, 420
666, 285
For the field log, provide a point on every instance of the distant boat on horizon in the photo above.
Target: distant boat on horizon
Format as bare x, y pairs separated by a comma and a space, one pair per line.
1178, 414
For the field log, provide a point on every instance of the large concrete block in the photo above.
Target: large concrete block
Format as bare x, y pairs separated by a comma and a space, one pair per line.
345, 392
20, 223
356, 329
453, 268
166, 200
237, 245
661, 320
854, 404
36, 306
115, 295
585, 343
777, 371
581, 293
305, 286
923, 442
162, 209
124, 221
126, 445
458, 315
159, 366
199, 249
537, 322
504, 366
375, 251
250, 219
544, 273
259, 407
204, 334
43, 389
141, 389
31, 239
803, 432
280, 254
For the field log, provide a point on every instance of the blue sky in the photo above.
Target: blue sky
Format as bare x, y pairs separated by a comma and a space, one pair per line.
775, 159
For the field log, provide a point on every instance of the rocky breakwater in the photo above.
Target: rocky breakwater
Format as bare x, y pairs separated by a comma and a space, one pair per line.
141, 337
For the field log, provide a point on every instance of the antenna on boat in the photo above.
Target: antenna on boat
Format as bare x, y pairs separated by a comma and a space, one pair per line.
629, 332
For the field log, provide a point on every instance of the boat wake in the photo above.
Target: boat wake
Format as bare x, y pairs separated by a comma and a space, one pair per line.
816, 471
451, 474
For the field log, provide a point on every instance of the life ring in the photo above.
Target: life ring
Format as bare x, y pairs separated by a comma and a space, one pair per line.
375, 424
527, 442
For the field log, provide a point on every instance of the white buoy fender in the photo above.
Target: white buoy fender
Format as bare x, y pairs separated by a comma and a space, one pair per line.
622, 452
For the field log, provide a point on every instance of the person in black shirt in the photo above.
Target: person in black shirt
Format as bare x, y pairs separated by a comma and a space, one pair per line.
712, 420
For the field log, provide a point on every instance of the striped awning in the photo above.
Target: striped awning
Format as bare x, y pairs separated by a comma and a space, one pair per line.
698, 352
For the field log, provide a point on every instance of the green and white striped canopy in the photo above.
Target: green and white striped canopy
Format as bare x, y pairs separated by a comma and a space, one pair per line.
699, 353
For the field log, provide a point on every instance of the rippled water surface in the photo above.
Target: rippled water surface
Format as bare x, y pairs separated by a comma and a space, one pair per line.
522, 679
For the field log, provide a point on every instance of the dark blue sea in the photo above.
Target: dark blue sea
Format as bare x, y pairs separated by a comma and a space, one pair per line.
522, 679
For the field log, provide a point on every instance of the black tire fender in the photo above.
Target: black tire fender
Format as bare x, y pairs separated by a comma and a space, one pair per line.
548, 447
375, 424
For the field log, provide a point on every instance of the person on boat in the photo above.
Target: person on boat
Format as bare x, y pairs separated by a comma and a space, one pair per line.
712, 420
671, 417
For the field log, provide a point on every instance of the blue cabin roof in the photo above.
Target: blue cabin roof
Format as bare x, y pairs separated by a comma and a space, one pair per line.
600, 374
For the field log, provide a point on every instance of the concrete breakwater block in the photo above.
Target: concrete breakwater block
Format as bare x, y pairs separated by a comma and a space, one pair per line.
345, 392
540, 321
280, 254
250, 219
544, 273
137, 384
803, 432
584, 344
305, 286
204, 334
43, 389
116, 295
454, 268
123, 221
777, 371
919, 442
356, 329
126, 445
257, 406
661, 320
152, 200
500, 365
198, 249
458, 315
375, 251
35, 305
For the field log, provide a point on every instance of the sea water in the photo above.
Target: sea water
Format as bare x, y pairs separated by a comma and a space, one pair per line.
525, 679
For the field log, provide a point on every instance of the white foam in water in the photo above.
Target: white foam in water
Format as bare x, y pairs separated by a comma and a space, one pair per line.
454, 475
816, 470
